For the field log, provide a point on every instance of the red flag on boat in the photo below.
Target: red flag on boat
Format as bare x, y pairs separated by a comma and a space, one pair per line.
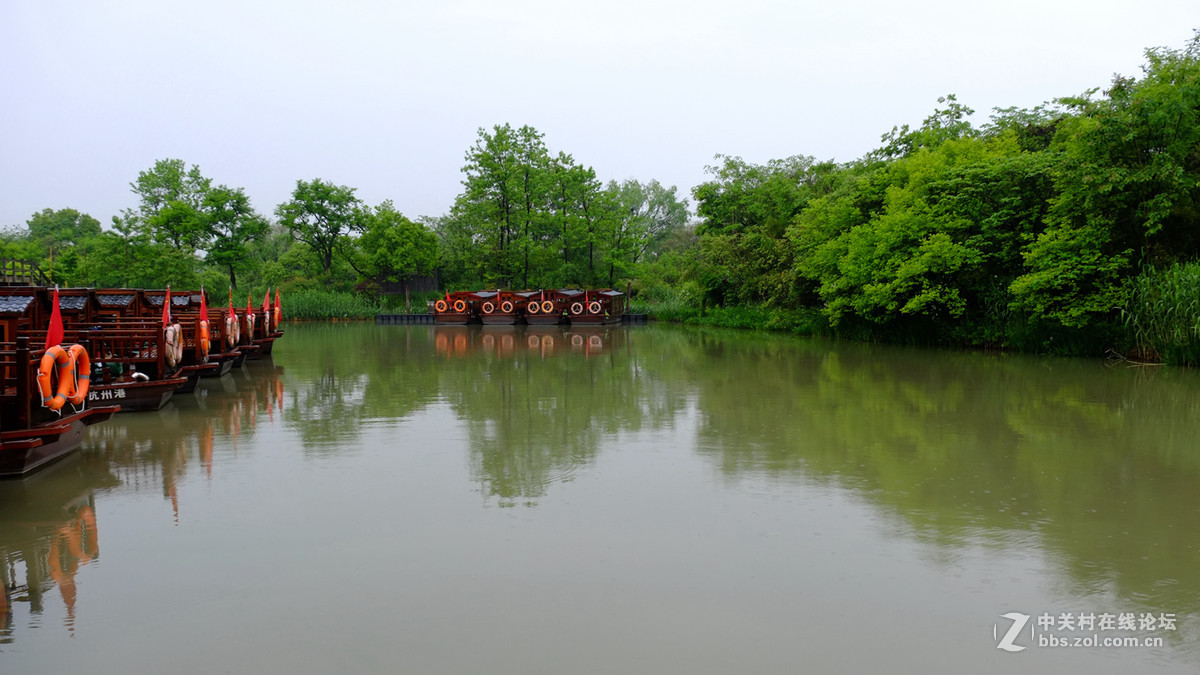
249, 304
232, 313
203, 306
167, 308
54, 334
267, 303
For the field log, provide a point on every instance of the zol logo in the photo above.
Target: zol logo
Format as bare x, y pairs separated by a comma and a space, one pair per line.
1018, 624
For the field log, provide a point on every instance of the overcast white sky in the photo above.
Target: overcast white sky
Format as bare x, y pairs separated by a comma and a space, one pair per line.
386, 97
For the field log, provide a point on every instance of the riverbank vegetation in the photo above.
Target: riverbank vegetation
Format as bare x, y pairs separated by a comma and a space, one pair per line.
1072, 227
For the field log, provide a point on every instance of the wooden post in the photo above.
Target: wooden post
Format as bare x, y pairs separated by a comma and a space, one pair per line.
23, 389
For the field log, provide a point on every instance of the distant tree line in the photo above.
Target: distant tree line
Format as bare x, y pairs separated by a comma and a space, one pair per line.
525, 219
1071, 226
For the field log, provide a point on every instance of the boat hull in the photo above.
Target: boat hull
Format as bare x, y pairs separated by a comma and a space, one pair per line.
136, 396
25, 450
595, 320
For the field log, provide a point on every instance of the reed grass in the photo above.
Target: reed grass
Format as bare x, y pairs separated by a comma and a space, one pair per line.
315, 305
1163, 315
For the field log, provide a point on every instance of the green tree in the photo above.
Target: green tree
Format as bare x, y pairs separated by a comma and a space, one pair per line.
1128, 192
392, 248
61, 236
171, 204
647, 215
505, 204
232, 225
320, 214
745, 211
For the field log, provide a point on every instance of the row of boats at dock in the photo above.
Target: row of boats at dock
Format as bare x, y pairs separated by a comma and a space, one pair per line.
73, 357
540, 307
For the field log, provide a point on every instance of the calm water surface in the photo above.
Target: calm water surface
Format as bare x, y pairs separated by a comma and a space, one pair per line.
630, 500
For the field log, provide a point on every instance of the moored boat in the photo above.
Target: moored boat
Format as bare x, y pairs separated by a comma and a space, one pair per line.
600, 307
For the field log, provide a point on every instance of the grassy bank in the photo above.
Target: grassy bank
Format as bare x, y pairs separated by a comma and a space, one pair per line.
321, 305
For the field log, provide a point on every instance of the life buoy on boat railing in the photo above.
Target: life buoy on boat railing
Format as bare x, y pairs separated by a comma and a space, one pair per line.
440, 306
278, 316
547, 306
56, 358
577, 308
230, 332
172, 343
460, 306
204, 341
531, 308
488, 307
249, 328
506, 307
81, 370
594, 307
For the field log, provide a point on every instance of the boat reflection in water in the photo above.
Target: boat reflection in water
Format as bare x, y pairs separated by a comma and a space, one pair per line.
546, 341
48, 527
157, 448
47, 532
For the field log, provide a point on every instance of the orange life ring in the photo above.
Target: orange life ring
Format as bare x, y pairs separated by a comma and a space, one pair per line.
531, 308
594, 307
440, 306
81, 368
205, 342
55, 358
547, 306
278, 316
506, 307
577, 308
489, 307
230, 331
460, 306
249, 327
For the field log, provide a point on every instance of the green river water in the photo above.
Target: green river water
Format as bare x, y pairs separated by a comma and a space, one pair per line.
644, 499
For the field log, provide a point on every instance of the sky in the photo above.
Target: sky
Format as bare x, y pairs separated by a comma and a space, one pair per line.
386, 97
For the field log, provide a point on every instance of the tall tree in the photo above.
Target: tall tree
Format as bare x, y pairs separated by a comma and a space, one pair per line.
232, 226
505, 201
320, 214
171, 204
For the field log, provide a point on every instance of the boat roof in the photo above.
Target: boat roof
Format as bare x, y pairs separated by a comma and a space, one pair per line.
72, 302
116, 300
15, 304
